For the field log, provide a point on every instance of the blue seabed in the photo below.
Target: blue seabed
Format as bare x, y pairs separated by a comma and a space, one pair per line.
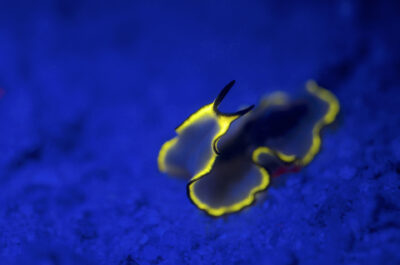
89, 92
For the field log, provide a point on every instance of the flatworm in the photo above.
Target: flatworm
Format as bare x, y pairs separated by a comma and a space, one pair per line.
229, 157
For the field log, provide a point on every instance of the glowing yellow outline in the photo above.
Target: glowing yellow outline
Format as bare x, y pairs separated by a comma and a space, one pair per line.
265, 177
224, 123
329, 117
234, 207
162, 166
265, 150
205, 112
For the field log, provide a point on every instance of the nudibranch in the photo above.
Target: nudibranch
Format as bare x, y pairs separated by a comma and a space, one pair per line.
228, 158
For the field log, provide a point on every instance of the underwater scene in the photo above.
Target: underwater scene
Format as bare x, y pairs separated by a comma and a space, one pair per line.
199, 132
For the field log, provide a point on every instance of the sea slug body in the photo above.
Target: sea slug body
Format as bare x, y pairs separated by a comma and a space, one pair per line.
229, 157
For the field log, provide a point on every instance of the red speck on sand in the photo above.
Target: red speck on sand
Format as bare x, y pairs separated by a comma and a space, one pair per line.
285, 169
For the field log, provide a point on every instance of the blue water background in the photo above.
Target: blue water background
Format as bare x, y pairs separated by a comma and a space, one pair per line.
90, 90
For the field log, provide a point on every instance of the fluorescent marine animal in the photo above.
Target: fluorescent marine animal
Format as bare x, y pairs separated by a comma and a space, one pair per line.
228, 158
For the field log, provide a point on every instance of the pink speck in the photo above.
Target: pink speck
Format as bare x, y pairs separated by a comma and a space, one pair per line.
285, 169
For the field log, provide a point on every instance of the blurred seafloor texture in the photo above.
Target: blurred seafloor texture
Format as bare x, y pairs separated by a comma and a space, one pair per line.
90, 90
